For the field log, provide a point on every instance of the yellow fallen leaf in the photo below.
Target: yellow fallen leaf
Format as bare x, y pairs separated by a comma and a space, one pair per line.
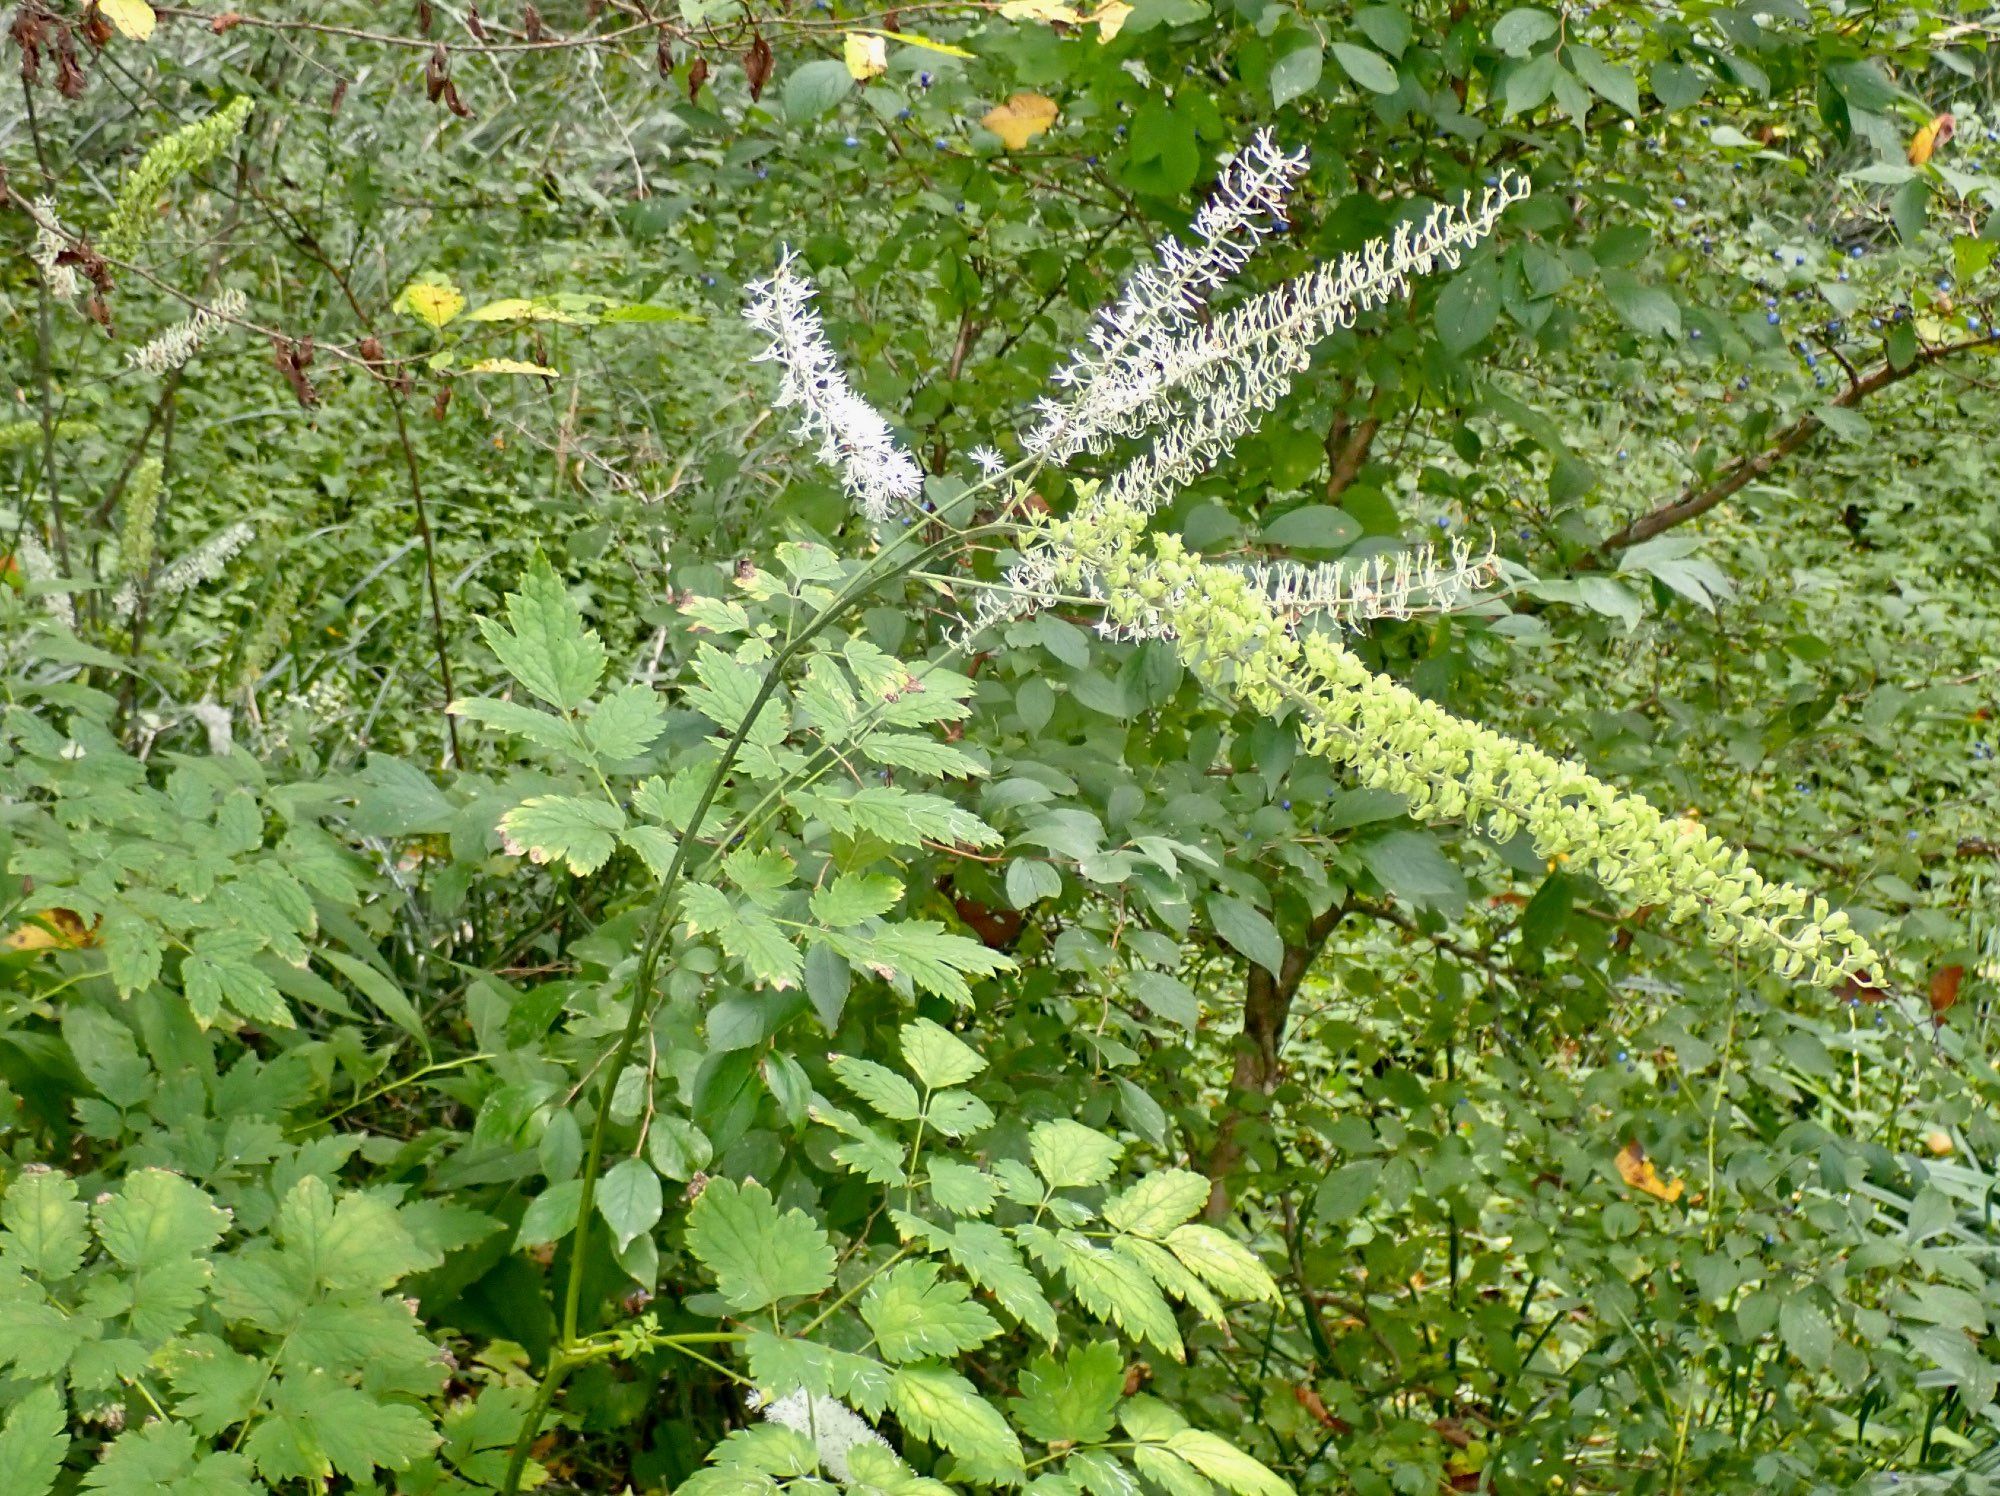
510, 366
1939, 1142
1020, 119
1110, 17
866, 56
133, 18
1041, 10
432, 301
1637, 1170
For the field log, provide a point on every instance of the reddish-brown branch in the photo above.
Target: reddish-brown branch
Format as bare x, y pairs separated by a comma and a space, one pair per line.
1698, 500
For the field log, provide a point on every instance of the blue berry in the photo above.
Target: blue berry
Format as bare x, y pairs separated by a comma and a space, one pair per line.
923, 80
1680, 202
1772, 318
851, 142
1743, 383
1284, 805
1857, 252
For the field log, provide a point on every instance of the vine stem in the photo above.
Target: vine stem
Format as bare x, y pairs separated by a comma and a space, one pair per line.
644, 1000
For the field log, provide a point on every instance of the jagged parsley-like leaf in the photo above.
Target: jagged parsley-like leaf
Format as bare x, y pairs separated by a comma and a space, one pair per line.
1071, 1156
1158, 1203
936, 1056
882, 1088
575, 830
544, 644
916, 1315
758, 1254
944, 1408
1072, 1400
1222, 1262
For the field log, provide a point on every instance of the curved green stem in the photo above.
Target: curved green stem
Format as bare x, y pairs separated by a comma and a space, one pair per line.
884, 568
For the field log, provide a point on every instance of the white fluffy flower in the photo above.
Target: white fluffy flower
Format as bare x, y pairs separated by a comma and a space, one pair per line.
202, 564
834, 1429
1349, 594
988, 460
1161, 298
50, 242
1204, 388
853, 437
178, 344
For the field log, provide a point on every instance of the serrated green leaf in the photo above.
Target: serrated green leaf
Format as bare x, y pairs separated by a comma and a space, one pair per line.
923, 951
916, 1315
1222, 1262
757, 1254
882, 1088
901, 750
316, 1427
1113, 1288
986, 1256
543, 729
1225, 1464
45, 1225
1158, 1203
957, 1114
903, 818
1072, 1400
943, 1408
162, 1458
577, 831
221, 969
962, 1189
625, 723
852, 898
33, 1443
544, 644
1071, 1156
938, 1057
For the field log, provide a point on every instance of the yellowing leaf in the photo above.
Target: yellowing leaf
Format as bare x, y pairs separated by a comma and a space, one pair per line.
866, 56
1020, 119
431, 301
510, 366
1924, 144
1637, 1170
923, 41
52, 930
1040, 10
520, 309
1110, 18
133, 18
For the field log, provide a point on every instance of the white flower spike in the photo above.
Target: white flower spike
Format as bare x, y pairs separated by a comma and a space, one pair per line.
853, 437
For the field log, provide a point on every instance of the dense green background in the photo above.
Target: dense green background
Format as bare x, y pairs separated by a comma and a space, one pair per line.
326, 997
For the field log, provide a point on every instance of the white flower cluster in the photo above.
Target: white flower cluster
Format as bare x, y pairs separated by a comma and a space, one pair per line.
834, 1429
1128, 352
50, 241
1212, 385
202, 564
853, 438
1386, 585
178, 344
